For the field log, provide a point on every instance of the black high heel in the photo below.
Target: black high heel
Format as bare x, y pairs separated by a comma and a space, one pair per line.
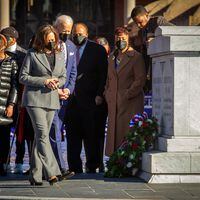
35, 183
53, 180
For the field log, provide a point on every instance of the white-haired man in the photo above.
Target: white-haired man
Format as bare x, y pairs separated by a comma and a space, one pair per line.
63, 25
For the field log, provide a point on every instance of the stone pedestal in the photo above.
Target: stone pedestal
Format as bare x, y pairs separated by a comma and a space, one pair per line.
175, 53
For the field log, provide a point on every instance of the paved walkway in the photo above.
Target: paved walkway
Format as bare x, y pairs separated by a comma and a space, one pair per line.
92, 186
95, 186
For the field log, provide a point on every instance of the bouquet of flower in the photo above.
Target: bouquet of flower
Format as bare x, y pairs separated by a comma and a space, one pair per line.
126, 160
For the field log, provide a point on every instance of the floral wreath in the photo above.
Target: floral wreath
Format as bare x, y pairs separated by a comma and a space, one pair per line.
127, 159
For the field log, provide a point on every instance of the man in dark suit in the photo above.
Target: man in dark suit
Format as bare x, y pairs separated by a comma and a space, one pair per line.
63, 26
82, 123
147, 25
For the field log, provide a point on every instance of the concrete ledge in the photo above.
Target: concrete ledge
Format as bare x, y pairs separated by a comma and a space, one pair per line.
169, 44
179, 144
169, 178
45, 198
171, 162
177, 30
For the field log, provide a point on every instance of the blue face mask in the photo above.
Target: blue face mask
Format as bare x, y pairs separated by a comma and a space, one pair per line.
121, 44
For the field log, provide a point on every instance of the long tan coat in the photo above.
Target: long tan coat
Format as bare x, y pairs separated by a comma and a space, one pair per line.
124, 95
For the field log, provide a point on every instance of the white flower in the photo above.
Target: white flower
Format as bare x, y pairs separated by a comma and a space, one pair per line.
134, 171
129, 165
150, 121
135, 133
131, 157
140, 123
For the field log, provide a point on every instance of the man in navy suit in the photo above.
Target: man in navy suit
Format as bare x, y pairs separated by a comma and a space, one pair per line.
85, 104
64, 25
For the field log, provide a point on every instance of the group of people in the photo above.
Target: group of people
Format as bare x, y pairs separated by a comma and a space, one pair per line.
67, 81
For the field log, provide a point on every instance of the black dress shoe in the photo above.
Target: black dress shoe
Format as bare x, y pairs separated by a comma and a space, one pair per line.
76, 171
101, 170
26, 173
90, 171
2, 170
67, 174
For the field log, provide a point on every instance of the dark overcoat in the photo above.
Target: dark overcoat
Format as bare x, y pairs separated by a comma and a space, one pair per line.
124, 96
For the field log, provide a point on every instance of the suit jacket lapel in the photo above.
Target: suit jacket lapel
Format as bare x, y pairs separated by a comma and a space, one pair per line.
79, 66
126, 58
57, 59
84, 51
112, 64
43, 60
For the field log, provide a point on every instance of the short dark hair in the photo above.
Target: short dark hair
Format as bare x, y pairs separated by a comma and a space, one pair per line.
138, 10
121, 30
82, 24
10, 32
101, 40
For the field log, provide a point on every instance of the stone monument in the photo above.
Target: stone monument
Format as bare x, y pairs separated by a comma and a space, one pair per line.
175, 53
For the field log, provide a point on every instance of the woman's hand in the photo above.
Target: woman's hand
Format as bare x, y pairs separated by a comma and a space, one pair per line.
52, 83
9, 111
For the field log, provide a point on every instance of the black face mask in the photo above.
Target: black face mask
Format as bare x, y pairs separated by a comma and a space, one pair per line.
64, 36
50, 46
121, 44
79, 40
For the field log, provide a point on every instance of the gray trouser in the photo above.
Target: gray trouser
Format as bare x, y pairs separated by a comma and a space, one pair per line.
42, 157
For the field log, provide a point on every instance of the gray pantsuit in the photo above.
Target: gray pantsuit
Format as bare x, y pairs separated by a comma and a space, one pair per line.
42, 155
41, 104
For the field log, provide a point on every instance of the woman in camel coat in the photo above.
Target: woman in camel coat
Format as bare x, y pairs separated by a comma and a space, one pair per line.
124, 89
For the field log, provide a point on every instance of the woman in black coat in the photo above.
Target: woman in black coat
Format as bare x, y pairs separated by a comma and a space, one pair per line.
8, 99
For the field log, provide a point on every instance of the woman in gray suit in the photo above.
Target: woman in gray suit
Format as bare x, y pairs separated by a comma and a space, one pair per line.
42, 73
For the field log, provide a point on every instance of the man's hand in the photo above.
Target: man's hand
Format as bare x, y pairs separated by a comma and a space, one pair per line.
63, 93
52, 83
98, 100
9, 111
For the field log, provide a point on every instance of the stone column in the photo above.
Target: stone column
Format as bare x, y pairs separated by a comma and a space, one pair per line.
175, 53
4, 14
128, 6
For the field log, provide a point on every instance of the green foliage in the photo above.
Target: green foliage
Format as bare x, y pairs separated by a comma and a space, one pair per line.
140, 138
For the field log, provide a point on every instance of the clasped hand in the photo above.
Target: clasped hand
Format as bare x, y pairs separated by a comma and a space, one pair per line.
63, 93
52, 83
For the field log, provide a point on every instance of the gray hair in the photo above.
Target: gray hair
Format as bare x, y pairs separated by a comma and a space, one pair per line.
63, 19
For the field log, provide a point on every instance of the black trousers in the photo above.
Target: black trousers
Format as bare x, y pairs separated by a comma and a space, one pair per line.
100, 120
20, 150
82, 127
4, 143
28, 136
